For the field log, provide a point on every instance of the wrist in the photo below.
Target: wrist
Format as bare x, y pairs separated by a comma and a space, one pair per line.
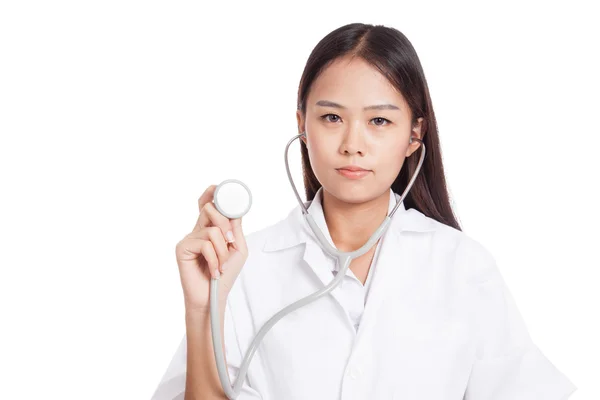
194, 310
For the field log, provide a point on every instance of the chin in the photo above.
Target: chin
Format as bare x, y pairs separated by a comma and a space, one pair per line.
352, 192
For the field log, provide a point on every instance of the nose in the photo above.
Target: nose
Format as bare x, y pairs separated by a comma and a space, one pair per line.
353, 141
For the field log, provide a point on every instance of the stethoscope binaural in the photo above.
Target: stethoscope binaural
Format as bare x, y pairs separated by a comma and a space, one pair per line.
233, 199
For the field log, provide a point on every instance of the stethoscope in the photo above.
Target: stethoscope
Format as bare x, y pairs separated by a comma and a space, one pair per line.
233, 199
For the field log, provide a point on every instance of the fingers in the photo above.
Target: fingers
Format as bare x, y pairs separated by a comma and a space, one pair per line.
216, 232
191, 247
209, 254
210, 216
215, 237
206, 198
238, 234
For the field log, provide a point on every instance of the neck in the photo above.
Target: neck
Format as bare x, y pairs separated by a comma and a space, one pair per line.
351, 225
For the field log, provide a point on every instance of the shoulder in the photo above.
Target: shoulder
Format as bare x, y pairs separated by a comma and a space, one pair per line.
256, 240
263, 245
467, 254
263, 259
273, 235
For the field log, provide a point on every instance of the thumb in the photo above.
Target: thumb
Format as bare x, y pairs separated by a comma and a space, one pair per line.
238, 234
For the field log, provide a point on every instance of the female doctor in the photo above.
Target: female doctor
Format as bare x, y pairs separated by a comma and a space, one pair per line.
425, 314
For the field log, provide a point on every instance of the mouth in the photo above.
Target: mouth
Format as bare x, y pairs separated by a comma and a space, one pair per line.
353, 172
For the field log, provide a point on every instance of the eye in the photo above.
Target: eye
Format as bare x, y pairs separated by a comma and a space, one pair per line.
380, 121
324, 117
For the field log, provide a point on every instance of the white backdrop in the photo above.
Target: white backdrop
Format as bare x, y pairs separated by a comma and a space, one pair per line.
116, 115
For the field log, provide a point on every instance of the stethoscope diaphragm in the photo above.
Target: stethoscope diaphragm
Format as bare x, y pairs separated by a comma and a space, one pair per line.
232, 198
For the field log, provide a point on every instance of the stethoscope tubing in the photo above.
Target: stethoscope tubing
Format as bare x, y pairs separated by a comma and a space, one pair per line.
343, 259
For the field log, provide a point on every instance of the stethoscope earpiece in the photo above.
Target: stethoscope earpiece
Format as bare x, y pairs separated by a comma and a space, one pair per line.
303, 134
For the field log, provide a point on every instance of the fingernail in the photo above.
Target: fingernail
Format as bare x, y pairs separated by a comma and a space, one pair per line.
230, 237
217, 273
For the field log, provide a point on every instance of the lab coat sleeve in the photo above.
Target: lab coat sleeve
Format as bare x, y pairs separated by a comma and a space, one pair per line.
508, 364
172, 384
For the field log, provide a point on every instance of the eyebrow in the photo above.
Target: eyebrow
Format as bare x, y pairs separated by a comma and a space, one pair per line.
327, 103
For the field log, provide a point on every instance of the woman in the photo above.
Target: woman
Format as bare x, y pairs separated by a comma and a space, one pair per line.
425, 314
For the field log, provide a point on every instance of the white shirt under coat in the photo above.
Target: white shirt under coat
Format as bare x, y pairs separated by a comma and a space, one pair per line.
434, 321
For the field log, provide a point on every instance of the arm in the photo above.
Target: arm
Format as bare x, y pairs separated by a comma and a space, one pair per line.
508, 364
202, 379
193, 374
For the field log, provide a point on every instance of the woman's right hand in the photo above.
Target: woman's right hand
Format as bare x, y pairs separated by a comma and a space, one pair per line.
207, 253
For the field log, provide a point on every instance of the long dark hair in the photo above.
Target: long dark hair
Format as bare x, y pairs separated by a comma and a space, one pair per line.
388, 50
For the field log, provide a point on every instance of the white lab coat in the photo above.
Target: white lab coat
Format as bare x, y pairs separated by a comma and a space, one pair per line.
439, 322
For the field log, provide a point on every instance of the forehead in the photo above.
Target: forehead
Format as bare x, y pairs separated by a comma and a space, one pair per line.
354, 83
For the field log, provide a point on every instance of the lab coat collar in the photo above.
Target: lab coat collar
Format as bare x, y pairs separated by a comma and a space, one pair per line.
294, 230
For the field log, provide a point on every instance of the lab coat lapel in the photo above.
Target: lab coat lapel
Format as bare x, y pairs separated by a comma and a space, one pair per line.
321, 263
396, 258
391, 256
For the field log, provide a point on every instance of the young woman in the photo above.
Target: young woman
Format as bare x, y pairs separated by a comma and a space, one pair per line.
424, 314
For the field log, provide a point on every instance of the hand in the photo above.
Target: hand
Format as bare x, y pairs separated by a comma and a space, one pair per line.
207, 253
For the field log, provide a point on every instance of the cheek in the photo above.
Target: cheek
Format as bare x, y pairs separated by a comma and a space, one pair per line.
391, 158
319, 151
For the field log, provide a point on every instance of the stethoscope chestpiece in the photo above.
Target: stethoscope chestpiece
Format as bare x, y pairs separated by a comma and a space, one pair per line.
232, 198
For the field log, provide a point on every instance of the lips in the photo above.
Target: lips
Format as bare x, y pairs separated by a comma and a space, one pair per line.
353, 168
353, 172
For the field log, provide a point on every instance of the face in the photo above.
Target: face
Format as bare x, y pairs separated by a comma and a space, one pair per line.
344, 130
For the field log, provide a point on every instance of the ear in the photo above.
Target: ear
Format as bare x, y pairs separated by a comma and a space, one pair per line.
415, 132
301, 125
